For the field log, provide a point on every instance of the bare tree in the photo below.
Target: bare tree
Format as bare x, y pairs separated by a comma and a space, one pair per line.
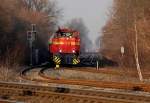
8, 74
16, 17
124, 29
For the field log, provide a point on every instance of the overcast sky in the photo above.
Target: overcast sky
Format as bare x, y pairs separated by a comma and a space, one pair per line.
93, 12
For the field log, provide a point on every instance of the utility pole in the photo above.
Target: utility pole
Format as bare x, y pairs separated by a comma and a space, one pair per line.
31, 35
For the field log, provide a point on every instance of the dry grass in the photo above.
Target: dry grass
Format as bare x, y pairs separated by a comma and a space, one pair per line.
116, 75
8, 73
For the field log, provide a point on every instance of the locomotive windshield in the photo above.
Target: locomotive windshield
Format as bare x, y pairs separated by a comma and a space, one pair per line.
66, 33
63, 34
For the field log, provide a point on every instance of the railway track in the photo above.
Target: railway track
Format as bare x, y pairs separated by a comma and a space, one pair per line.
67, 95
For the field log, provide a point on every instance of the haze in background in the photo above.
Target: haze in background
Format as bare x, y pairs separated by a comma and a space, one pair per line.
93, 12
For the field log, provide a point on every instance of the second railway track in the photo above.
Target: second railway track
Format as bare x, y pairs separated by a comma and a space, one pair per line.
66, 95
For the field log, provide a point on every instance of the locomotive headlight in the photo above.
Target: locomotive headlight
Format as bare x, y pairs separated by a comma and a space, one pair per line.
60, 50
73, 51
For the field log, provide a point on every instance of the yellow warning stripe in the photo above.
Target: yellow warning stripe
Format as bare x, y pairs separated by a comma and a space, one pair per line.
59, 61
75, 61
56, 59
75, 43
57, 43
67, 43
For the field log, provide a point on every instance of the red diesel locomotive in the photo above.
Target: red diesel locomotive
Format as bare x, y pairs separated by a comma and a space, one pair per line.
65, 46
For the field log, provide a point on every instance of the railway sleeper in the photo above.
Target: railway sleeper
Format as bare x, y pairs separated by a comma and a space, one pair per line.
28, 93
5, 97
137, 88
61, 90
10, 92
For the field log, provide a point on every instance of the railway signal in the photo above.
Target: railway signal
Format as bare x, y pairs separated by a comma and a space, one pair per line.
37, 56
31, 36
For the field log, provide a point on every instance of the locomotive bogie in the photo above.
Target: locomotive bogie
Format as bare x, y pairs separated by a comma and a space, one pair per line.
66, 59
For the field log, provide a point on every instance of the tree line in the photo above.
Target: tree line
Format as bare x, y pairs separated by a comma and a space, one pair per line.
16, 17
128, 27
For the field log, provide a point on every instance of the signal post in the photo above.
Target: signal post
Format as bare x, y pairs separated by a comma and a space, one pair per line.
31, 36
